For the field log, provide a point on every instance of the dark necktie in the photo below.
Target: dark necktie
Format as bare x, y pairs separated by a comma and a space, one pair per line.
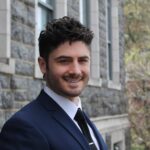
80, 118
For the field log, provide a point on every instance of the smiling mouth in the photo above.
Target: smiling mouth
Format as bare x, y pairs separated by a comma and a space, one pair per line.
73, 80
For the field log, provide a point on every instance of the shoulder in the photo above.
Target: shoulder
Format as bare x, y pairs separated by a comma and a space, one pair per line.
22, 129
19, 133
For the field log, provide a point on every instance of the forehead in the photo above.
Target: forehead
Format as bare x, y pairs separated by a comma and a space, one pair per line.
75, 49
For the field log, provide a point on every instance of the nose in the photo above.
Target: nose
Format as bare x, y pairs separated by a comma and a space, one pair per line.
75, 68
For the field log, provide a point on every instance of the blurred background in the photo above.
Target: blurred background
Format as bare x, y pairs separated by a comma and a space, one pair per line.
137, 58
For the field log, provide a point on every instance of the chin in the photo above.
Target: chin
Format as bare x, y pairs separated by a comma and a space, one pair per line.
74, 93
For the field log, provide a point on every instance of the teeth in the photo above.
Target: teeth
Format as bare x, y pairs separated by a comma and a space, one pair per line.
73, 80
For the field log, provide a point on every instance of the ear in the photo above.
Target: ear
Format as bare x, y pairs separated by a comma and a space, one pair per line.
42, 64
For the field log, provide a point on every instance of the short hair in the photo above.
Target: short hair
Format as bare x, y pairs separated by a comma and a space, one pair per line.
62, 30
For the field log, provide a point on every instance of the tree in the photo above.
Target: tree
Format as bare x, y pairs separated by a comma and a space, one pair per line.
137, 58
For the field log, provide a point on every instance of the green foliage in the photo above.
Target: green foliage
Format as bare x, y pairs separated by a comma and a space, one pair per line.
137, 14
137, 59
137, 147
137, 38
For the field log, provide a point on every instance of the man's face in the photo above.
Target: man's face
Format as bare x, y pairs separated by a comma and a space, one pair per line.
68, 68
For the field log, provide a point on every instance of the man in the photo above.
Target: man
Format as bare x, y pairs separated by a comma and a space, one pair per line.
54, 121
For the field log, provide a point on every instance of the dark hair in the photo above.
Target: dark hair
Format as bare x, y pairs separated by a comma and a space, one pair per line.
61, 30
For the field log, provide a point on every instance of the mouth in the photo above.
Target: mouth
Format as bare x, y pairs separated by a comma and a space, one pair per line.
73, 80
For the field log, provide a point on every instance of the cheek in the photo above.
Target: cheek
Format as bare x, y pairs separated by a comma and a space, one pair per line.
56, 72
87, 69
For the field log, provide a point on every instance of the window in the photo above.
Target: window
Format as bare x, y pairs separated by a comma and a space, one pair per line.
7, 65
113, 59
84, 9
46, 10
109, 40
45, 13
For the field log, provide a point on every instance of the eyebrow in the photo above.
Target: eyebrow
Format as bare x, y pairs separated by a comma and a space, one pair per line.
68, 57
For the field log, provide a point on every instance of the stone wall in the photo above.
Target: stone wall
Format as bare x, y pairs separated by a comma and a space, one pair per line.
18, 89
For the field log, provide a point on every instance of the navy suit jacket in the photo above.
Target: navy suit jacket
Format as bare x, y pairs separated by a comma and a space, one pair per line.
44, 125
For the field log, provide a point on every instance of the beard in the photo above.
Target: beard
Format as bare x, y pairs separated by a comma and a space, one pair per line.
67, 85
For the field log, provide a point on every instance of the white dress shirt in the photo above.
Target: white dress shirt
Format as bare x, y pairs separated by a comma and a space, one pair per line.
70, 107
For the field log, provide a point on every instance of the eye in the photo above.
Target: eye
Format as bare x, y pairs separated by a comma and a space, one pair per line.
64, 61
84, 60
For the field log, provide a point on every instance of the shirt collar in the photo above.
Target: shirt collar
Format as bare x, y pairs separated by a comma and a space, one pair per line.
67, 105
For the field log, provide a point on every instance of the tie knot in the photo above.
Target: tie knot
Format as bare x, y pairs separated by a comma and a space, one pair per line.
79, 115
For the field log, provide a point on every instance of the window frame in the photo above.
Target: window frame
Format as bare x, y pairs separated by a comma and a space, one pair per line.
95, 79
114, 81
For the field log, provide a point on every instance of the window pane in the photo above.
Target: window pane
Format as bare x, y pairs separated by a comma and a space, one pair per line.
84, 12
44, 15
110, 69
109, 40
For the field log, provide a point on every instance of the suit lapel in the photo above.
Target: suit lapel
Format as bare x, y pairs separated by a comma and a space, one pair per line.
62, 118
69, 125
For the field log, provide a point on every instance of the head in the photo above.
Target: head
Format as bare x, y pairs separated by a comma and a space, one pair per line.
65, 56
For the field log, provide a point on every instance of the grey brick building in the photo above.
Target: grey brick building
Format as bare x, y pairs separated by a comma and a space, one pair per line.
21, 81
